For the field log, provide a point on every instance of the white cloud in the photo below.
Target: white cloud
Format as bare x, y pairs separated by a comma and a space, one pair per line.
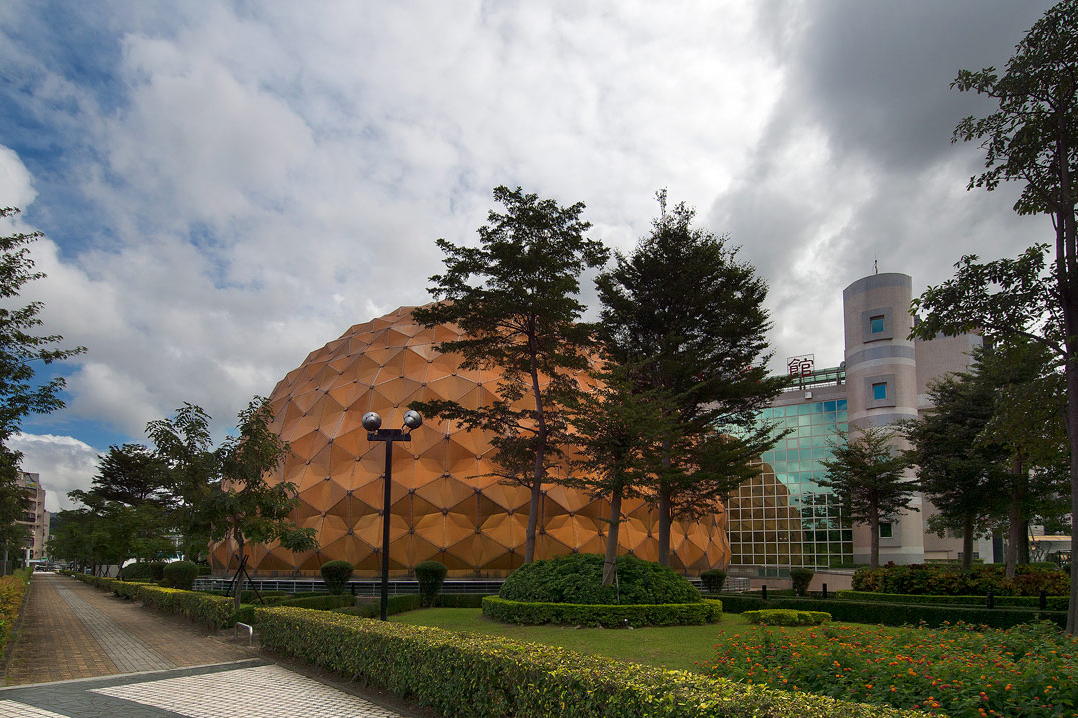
63, 462
16, 188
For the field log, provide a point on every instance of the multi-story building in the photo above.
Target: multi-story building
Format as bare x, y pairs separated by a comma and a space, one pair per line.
34, 517
783, 517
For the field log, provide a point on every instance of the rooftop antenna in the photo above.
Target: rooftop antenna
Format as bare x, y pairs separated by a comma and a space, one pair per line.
876, 265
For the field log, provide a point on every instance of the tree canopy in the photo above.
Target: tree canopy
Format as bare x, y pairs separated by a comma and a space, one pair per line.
687, 315
22, 351
1031, 139
515, 297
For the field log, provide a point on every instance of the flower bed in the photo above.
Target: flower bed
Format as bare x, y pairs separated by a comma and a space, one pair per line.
471, 675
1030, 670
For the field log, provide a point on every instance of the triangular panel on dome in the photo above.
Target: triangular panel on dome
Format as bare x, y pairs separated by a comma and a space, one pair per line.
445, 491
546, 546
309, 445
507, 530
514, 498
506, 563
346, 548
398, 391
306, 398
310, 560
277, 560
369, 528
568, 499
427, 441
632, 533
444, 530
470, 443
347, 394
321, 494
439, 368
343, 468
648, 550
450, 388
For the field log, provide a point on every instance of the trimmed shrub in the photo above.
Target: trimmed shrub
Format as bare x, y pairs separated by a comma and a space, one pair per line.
459, 600
897, 614
713, 579
431, 575
590, 614
395, 605
469, 675
801, 578
128, 589
213, 611
180, 574
321, 602
577, 578
1054, 603
786, 617
157, 570
138, 570
336, 575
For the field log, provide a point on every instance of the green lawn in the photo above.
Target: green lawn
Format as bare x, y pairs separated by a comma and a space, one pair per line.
676, 647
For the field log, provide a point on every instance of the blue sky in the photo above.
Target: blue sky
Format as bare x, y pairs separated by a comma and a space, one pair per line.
227, 186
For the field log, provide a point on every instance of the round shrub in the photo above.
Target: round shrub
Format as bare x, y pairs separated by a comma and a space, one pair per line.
430, 574
180, 574
336, 575
713, 579
801, 578
577, 578
157, 570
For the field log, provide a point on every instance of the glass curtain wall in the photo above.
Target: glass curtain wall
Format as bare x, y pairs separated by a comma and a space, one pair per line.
783, 517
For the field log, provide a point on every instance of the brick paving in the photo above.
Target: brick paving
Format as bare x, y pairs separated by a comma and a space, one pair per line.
82, 653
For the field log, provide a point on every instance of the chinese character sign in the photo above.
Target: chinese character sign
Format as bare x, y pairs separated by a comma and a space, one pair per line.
801, 366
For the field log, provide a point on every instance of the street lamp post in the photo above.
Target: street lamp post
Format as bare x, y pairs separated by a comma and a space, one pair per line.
372, 423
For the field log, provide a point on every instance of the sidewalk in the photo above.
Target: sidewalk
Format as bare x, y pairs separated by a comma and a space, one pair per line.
82, 653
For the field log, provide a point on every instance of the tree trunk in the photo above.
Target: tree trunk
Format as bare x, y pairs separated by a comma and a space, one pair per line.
664, 526
239, 577
538, 472
533, 522
967, 541
664, 508
610, 561
1023, 547
874, 541
1072, 435
1015, 519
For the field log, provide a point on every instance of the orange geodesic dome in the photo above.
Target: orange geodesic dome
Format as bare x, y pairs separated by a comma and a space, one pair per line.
444, 505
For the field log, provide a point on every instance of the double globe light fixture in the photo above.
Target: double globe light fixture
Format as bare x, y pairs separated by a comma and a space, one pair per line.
373, 424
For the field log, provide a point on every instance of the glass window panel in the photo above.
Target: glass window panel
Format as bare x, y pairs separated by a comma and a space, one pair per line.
876, 324
879, 391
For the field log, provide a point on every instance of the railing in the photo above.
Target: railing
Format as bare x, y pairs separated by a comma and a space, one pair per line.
363, 587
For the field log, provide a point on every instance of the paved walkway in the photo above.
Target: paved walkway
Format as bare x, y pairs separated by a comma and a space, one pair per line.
82, 653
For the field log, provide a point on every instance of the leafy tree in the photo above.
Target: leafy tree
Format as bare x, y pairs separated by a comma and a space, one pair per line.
959, 472
244, 507
616, 431
184, 448
21, 351
1032, 139
868, 475
515, 298
132, 474
688, 316
1027, 421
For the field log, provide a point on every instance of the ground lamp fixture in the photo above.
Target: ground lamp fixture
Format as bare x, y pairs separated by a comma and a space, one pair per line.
373, 423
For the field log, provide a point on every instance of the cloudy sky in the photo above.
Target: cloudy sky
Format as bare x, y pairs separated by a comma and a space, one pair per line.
226, 186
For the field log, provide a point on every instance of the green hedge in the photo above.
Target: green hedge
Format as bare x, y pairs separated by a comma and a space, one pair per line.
213, 611
395, 605
896, 614
471, 675
1055, 603
786, 617
321, 602
637, 614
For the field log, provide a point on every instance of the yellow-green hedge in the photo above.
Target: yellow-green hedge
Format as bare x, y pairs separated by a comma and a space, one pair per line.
12, 590
470, 675
213, 611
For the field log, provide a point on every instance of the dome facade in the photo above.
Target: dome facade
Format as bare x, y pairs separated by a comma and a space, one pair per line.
445, 505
